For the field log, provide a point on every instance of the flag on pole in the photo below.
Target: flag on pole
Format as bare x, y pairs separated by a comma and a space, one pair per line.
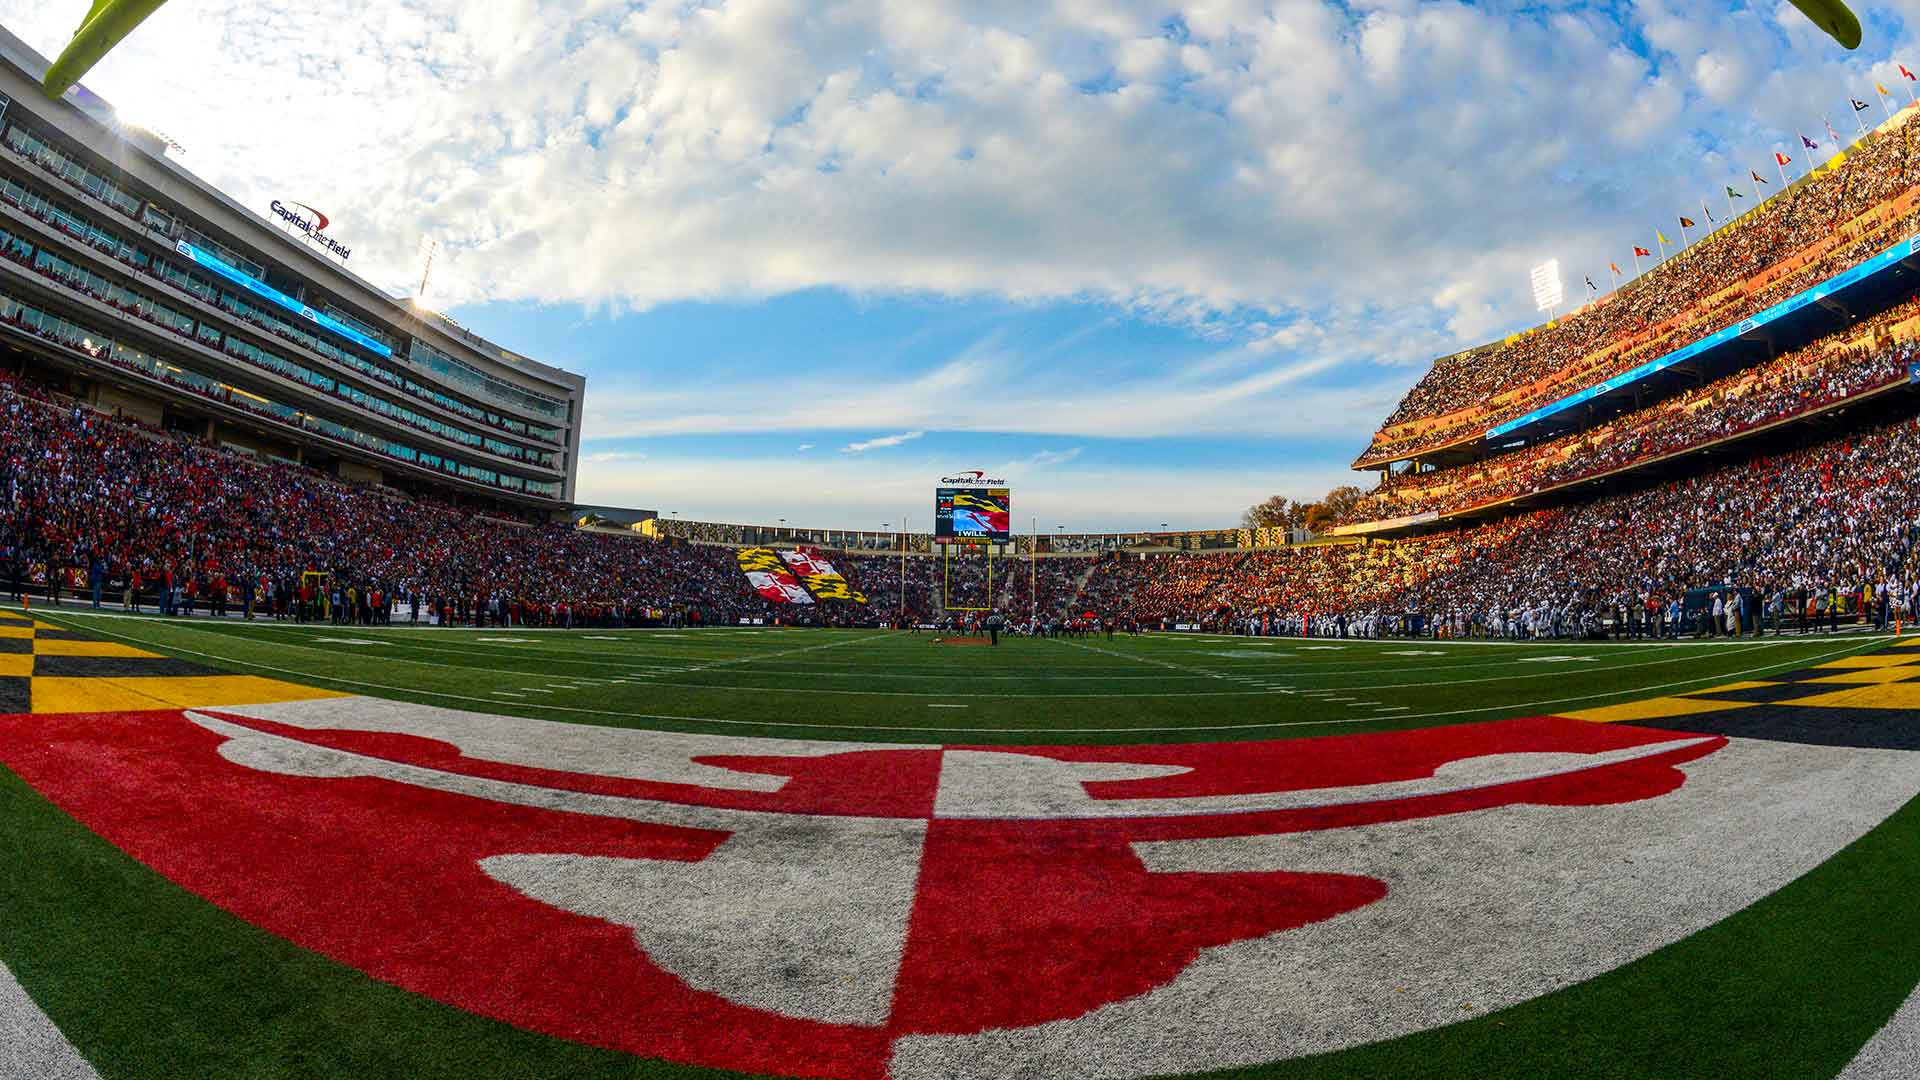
1613, 268
1708, 210
1638, 250
1858, 105
1591, 287
1756, 176
1910, 82
1660, 236
1830, 132
1686, 222
1808, 143
1780, 162
1732, 194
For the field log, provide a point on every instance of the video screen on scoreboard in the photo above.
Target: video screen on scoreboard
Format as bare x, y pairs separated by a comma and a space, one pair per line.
983, 514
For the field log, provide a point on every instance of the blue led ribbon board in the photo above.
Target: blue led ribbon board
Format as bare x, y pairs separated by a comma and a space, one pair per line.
275, 296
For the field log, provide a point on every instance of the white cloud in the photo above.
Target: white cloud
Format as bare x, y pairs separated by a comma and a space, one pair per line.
1333, 193
1256, 161
881, 442
842, 492
805, 446
985, 389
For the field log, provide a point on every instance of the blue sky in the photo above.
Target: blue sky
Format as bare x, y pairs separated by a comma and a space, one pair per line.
1154, 261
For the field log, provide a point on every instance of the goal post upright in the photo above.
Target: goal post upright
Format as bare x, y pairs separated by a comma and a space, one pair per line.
948, 601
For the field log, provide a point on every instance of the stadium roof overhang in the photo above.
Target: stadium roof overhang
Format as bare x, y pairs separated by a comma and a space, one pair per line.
1825, 309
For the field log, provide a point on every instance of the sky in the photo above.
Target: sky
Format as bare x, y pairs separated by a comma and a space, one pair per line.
1151, 262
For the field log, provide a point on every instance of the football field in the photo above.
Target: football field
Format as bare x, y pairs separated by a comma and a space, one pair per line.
271, 850
890, 686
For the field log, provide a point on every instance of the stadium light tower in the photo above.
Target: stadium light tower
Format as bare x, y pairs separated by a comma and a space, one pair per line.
1548, 293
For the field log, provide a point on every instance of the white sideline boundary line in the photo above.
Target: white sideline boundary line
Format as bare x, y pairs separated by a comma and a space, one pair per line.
31, 1044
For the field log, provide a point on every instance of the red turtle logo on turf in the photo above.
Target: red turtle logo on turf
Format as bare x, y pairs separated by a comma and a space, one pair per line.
833, 913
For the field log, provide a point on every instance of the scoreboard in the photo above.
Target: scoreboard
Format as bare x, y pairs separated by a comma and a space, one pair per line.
981, 515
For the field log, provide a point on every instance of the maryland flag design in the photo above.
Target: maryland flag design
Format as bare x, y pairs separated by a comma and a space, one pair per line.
770, 578
821, 579
795, 577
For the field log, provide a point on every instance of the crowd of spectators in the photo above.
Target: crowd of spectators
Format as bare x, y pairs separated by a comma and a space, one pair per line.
1794, 384
1820, 531
1723, 278
89, 502
936, 584
86, 499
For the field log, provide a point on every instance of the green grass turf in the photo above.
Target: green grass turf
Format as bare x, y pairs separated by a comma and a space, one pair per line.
885, 686
151, 982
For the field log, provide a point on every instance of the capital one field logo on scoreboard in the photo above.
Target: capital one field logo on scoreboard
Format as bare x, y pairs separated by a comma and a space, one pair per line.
866, 911
974, 477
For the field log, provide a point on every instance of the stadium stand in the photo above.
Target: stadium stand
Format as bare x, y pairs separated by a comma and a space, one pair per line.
108, 499
1801, 236
136, 286
1803, 532
1826, 530
1798, 384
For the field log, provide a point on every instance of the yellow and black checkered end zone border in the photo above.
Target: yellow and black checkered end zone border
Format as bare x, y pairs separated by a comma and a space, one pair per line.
49, 669
1867, 700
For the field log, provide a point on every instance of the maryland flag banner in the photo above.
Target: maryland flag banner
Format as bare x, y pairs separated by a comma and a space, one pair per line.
821, 579
770, 578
